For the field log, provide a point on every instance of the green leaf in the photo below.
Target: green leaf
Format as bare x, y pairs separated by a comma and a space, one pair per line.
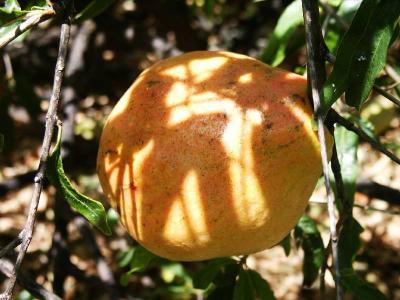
359, 287
346, 12
290, 19
349, 242
346, 146
1, 141
348, 246
362, 53
91, 209
124, 258
93, 9
311, 242
244, 289
141, 259
12, 5
205, 276
222, 293
174, 272
261, 286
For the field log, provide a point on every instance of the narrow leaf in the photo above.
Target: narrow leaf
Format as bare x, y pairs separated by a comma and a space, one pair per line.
124, 258
141, 259
311, 242
362, 53
261, 286
348, 246
93, 9
91, 209
290, 19
370, 54
359, 287
337, 81
347, 145
205, 276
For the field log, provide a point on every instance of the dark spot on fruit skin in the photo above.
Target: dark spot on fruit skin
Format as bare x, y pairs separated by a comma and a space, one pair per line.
269, 125
111, 152
300, 98
152, 83
231, 82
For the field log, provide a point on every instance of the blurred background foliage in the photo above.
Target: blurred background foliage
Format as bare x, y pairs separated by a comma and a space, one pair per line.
111, 43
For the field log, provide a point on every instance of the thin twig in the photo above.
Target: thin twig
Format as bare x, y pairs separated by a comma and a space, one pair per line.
51, 119
392, 73
387, 95
316, 75
30, 285
374, 143
32, 19
330, 11
14, 243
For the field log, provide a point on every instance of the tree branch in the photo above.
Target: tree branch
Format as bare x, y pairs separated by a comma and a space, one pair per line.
374, 143
316, 52
51, 119
32, 19
30, 285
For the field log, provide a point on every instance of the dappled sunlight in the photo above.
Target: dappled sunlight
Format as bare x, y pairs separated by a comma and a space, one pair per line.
187, 214
209, 156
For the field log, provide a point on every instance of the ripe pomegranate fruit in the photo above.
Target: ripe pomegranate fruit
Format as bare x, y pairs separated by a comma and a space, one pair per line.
210, 154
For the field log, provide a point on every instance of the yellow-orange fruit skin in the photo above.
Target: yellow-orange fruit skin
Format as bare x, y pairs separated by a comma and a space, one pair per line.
210, 154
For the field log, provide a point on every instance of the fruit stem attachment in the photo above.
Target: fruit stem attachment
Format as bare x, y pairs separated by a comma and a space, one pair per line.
316, 75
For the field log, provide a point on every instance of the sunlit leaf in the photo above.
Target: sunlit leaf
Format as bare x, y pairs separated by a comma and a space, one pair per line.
311, 242
290, 19
140, 258
91, 209
124, 258
346, 146
346, 12
93, 9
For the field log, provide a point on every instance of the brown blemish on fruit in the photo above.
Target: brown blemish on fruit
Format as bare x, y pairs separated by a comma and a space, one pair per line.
300, 98
152, 83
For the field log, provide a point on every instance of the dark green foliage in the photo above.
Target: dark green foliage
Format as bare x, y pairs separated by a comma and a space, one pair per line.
205, 276
93, 9
251, 285
348, 246
310, 239
362, 53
